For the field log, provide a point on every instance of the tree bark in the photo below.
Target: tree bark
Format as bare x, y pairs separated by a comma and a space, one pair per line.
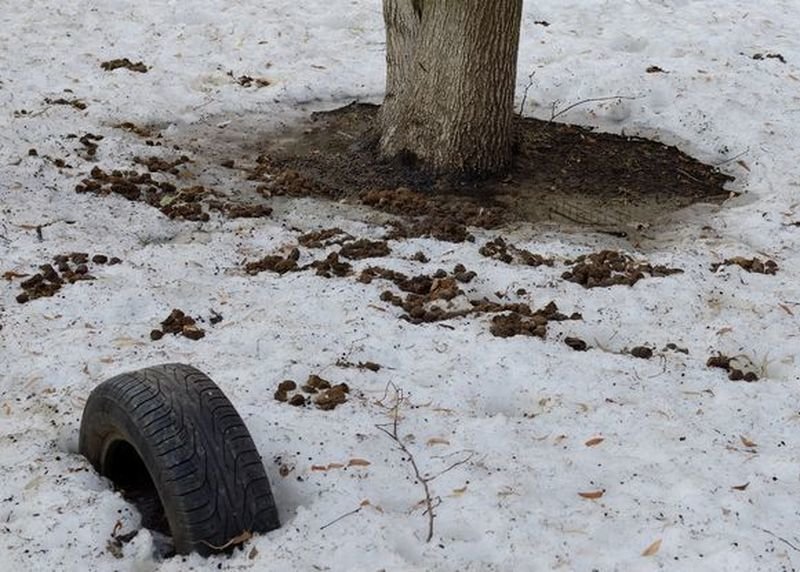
451, 72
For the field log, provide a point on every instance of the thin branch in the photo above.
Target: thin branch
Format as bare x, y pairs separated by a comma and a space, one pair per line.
525, 92
554, 114
391, 430
726, 161
786, 542
345, 515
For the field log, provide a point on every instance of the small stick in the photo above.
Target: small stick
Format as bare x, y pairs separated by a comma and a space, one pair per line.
345, 515
553, 113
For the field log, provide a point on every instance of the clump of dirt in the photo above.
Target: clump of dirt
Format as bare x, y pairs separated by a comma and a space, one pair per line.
247, 81
331, 266
612, 268
368, 365
232, 210
159, 165
576, 344
165, 196
324, 238
90, 146
737, 371
112, 65
76, 103
321, 392
427, 215
178, 323
499, 249
275, 263
642, 352
68, 269
144, 132
522, 321
364, 248
750, 264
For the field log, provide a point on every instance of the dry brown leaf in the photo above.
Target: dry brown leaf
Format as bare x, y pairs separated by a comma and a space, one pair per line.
460, 491
335, 466
365, 502
358, 463
652, 549
725, 330
592, 494
594, 441
743, 165
747, 442
786, 309
10, 275
437, 441
253, 553
741, 487
319, 468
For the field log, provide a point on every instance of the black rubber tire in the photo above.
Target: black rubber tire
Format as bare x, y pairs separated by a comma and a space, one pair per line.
199, 455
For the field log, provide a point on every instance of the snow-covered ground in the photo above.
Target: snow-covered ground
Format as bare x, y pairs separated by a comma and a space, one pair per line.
678, 437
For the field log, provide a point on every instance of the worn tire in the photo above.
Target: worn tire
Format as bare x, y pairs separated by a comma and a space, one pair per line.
196, 450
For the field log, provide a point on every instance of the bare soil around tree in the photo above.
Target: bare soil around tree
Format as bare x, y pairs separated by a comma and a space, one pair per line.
561, 172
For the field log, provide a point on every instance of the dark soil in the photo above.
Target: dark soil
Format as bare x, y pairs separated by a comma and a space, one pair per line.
363, 248
750, 264
178, 323
324, 238
187, 203
76, 103
499, 249
612, 268
734, 374
561, 172
112, 65
318, 391
576, 344
642, 352
65, 269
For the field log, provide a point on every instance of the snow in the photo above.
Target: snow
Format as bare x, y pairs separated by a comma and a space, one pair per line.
675, 432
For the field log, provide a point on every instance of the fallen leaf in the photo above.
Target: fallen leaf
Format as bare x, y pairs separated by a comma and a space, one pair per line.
594, 441
747, 442
725, 330
786, 309
319, 468
253, 553
358, 463
10, 275
743, 165
461, 491
741, 487
335, 466
652, 549
437, 441
592, 494
365, 502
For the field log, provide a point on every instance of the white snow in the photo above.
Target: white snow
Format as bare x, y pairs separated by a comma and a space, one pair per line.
674, 430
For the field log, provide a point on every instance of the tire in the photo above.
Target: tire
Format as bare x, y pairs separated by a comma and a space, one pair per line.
169, 438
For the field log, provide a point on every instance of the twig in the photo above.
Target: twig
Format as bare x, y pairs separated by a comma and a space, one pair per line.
554, 114
235, 541
345, 515
745, 152
786, 542
391, 430
525, 92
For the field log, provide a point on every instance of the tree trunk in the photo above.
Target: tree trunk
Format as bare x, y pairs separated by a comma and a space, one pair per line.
451, 72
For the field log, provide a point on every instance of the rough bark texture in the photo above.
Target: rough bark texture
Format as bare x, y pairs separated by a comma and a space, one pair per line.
451, 71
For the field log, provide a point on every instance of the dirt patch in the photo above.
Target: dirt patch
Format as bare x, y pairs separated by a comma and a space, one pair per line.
118, 63
612, 268
750, 264
363, 248
157, 164
642, 352
576, 344
315, 391
499, 249
178, 323
561, 172
324, 238
739, 368
65, 269
275, 263
187, 203
78, 104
